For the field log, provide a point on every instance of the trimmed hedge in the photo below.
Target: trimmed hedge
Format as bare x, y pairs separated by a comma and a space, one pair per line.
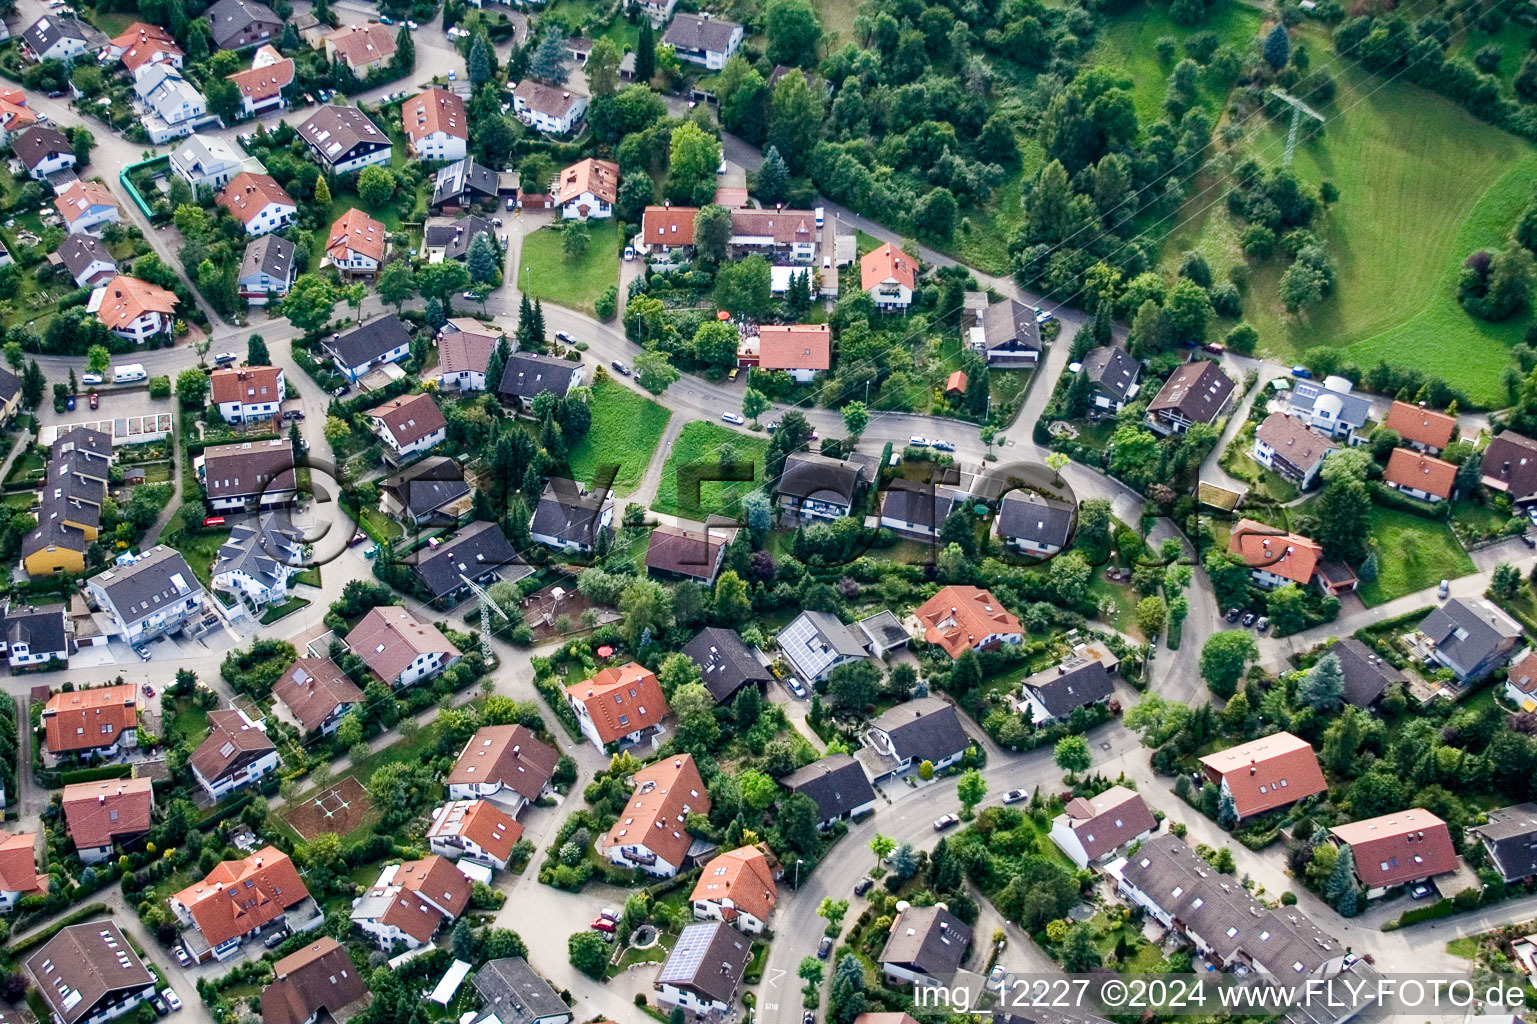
1439, 909
106, 771
1387, 497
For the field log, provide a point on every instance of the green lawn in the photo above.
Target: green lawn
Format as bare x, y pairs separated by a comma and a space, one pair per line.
626, 428
283, 610
1412, 553
1422, 183
1129, 38
1466, 948
702, 442
545, 273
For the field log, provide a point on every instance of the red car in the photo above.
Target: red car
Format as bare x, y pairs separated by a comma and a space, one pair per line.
603, 924
214, 521
149, 691
95, 399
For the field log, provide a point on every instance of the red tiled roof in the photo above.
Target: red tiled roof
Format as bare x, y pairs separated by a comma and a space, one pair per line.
668, 225
361, 45
99, 812
245, 384
480, 822
629, 691
795, 347
600, 177
1523, 673
435, 110
959, 618
248, 195
1426, 473
955, 382
742, 876
1266, 547
509, 754
389, 639
410, 418
1421, 426
666, 793
359, 232
1401, 847
313, 688
239, 896
18, 863
79, 196
438, 881
76, 720
885, 264
125, 299
261, 84
1266, 773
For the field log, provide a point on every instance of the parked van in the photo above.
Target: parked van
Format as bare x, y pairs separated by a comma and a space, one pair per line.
128, 373
821, 215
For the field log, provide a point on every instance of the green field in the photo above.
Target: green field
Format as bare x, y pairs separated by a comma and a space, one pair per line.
1129, 39
545, 273
702, 442
625, 430
1421, 184
1412, 553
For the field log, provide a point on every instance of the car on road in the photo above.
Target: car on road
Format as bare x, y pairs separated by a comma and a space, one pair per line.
941, 446
947, 821
171, 998
863, 885
1444, 589
918, 441
620, 368
731, 417
796, 687
94, 399
1419, 892
603, 924
148, 690
181, 956
224, 358
564, 338
1232, 614
825, 947
1014, 796
1248, 619
1302, 372
385, 19
90, 378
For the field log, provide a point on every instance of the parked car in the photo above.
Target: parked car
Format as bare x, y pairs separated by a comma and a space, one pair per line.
825, 947
995, 978
1444, 589
413, 26
1216, 348
1014, 796
69, 403
1042, 316
731, 417
181, 956
357, 538
796, 687
808, 1017
620, 368
213, 520
918, 441
275, 940
1419, 892
148, 690
1248, 619
1263, 624
1526, 539
94, 399
512, 202
947, 821
1302, 372
863, 885
603, 924
294, 414
1232, 614
372, 552
143, 654
629, 253
158, 1005
339, 392
941, 446
225, 358
90, 378
171, 998
385, 19
735, 372
610, 913
564, 338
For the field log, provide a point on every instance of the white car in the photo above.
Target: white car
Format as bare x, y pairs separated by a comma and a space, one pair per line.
224, 358
413, 26
731, 417
90, 378
171, 998
796, 687
918, 441
629, 253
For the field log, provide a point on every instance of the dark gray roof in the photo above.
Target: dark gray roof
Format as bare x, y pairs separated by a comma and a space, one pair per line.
1009, 321
884, 629
263, 552
1511, 459
817, 476
336, 131
10, 385
1212, 904
427, 485
1075, 683
43, 33
478, 549
1030, 516
1112, 370
1468, 630
1511, 835
930, 940
371, 340
52, 531
38, 143
924, 729
272, 255
454, 237
79, 251
514, 994
464, 176
726, 662
700, 32
836, 783
529, 374
568, 511
1196, 391
159, 577
84, 445
75, 488
41, 629
709, 958
228, 18
1366, 674
908, 501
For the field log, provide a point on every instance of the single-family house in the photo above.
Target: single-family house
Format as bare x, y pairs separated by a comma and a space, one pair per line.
703, 39
815, 487
343, 139
1294, 450
889, 275
238, 24
436, 125
155, 595
1367, 674
927, 946
704, 968
1421, 429
320, 978
650, 834
904, 736
265, 86
363, 48
43, 150
1509, 465
1402, 848
1330, 406
98, 721
98, 815
88, 260
736, 887
34, 636
240, 898
512, 993
18, 869
465, 346
170, 106
317, 695
90, 973
1005, 333
463, 183
1113, 375
529, 374
476, 831
409, 424
60, 37
1197, 392
86, 207
960, 619
506, 764
620, 704
480, 552
266, 269
1509, 837
1033, 523
569, 517
588, 188
133, 309
446, 239
814, 643
356, 245
676, 553
141, 46
1083, 679
1265, 774
205, 160
246, 393
15, 115
801, 350
369, 346
918, 509
1420, 476
664, 229
837, 784
258, 562
430, 492
1092, 830
236, 753
726, 663
781, 236
398, 649
258, 202
1470, 636
248, 476
410, 901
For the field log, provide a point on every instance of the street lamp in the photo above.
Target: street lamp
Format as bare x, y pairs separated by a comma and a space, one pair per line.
798, 863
